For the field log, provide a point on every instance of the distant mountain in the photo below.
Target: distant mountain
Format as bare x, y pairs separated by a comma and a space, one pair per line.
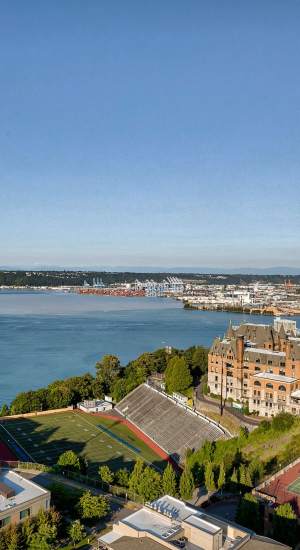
276, 270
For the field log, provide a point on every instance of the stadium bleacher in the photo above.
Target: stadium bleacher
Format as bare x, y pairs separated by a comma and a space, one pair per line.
174, 428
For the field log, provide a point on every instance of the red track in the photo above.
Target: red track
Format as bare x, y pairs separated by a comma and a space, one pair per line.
5, 453
160, 452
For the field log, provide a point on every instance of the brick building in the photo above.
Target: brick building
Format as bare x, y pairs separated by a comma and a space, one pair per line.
258, 365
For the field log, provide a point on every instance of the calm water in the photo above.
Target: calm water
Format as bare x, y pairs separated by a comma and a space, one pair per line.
45, 336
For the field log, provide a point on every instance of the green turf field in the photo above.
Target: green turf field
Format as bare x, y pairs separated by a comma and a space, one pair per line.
44, 438
295, 486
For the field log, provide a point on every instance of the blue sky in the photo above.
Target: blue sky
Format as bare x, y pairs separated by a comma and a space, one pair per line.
150, 133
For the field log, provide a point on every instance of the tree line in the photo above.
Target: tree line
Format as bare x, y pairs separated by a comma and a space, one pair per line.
182, 368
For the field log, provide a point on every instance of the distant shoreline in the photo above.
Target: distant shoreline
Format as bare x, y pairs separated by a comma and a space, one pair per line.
248, 311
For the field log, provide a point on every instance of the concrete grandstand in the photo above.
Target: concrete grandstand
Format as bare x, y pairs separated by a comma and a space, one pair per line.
175, 428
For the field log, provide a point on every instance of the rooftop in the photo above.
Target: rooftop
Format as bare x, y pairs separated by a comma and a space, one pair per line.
275, 377
24, 490
153, 522
126, 543
266, 351
203, 524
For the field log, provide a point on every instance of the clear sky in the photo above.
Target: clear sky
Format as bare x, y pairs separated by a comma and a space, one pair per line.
150, 132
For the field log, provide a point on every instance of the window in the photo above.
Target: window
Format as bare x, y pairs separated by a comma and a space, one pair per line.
282, 364
282, 388
257, 383
269, 386
25, 513
282, 372
4, 521
216, 378
257, 360
270, 362
257, 368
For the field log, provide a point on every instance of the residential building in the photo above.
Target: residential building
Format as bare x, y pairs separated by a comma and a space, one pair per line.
258, 365
170, 523
20, 498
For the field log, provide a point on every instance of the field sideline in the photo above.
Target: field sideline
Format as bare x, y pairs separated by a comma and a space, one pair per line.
101, 440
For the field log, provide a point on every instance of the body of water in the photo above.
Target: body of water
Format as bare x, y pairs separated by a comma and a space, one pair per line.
49, 335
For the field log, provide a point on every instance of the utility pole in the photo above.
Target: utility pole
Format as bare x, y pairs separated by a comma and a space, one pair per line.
221, 400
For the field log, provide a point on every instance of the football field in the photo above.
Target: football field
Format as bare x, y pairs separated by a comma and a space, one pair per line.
101, 440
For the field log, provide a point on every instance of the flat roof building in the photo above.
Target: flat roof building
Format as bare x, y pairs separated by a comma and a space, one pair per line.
170, 523
20, 498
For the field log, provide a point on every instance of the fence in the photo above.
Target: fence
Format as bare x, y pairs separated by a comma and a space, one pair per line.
191, 410
37, 413
116, 490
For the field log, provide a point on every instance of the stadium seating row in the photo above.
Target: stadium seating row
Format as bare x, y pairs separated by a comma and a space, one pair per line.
172, 427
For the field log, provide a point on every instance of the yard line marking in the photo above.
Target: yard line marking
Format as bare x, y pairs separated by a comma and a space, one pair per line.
83, 419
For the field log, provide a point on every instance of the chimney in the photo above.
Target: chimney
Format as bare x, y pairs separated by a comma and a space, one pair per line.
288, 350
240, 346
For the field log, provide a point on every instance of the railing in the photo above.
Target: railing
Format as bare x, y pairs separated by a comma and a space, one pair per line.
191, 410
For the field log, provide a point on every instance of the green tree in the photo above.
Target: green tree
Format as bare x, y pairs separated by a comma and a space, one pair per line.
118, 389
14, 542
186, 484
76, 532
106, 475
285, 528
199, 360
70, 461
248, 513
4, 410
221, 478
178, 377
150, 484
107, 370
136, 476
243, 477
256, 471
122, 477
169, 482
27, 530
234, 476
209, 477
44, 538
283, 422
92, 506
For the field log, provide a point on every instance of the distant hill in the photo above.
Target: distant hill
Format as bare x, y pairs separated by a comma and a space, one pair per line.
70, 277
275, 270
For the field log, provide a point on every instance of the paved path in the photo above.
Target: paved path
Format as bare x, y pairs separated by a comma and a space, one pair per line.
120, 507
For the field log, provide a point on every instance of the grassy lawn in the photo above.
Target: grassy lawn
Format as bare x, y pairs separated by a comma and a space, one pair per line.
267, 446
44, 438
